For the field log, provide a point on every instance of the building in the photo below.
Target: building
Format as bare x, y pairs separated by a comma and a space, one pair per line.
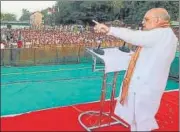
15, 24
36, 19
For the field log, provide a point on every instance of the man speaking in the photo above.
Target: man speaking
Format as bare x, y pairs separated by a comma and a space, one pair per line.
148, 70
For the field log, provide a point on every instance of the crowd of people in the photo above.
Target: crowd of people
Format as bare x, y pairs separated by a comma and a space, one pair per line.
60, 36
32, 37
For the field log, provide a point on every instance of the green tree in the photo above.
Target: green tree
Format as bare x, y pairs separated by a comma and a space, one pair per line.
85, 11
135, 10
69, 12
8, 17
116, 6
25, 15
46, 17
2, 16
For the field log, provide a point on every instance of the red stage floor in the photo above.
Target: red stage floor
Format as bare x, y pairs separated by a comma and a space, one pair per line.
66, 118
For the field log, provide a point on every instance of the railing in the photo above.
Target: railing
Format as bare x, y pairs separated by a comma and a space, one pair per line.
41, 55
62, 54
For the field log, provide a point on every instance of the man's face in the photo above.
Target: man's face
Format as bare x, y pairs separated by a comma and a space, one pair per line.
149, 21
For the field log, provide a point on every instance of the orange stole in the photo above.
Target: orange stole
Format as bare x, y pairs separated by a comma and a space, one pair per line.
129, 74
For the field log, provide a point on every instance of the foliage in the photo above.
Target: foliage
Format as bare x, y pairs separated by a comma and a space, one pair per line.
8, 17
25, 15
83, 12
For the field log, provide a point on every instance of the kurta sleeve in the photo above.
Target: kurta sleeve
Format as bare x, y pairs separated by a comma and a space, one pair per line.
136, 37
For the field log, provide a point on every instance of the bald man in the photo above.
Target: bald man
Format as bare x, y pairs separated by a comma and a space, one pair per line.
148, 70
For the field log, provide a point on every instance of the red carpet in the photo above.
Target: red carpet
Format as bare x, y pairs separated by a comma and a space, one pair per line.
66, 118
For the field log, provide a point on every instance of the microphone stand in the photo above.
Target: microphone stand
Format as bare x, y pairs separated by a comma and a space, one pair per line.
99, 50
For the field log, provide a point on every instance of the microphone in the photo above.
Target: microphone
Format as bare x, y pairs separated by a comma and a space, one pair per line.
99, 50
124, 48
99, 46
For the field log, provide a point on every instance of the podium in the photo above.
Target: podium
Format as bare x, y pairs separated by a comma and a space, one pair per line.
114, 61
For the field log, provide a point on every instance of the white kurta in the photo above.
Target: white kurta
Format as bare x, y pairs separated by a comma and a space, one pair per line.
150, 76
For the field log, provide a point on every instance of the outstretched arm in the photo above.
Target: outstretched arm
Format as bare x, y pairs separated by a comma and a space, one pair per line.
138, 37
135, 37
